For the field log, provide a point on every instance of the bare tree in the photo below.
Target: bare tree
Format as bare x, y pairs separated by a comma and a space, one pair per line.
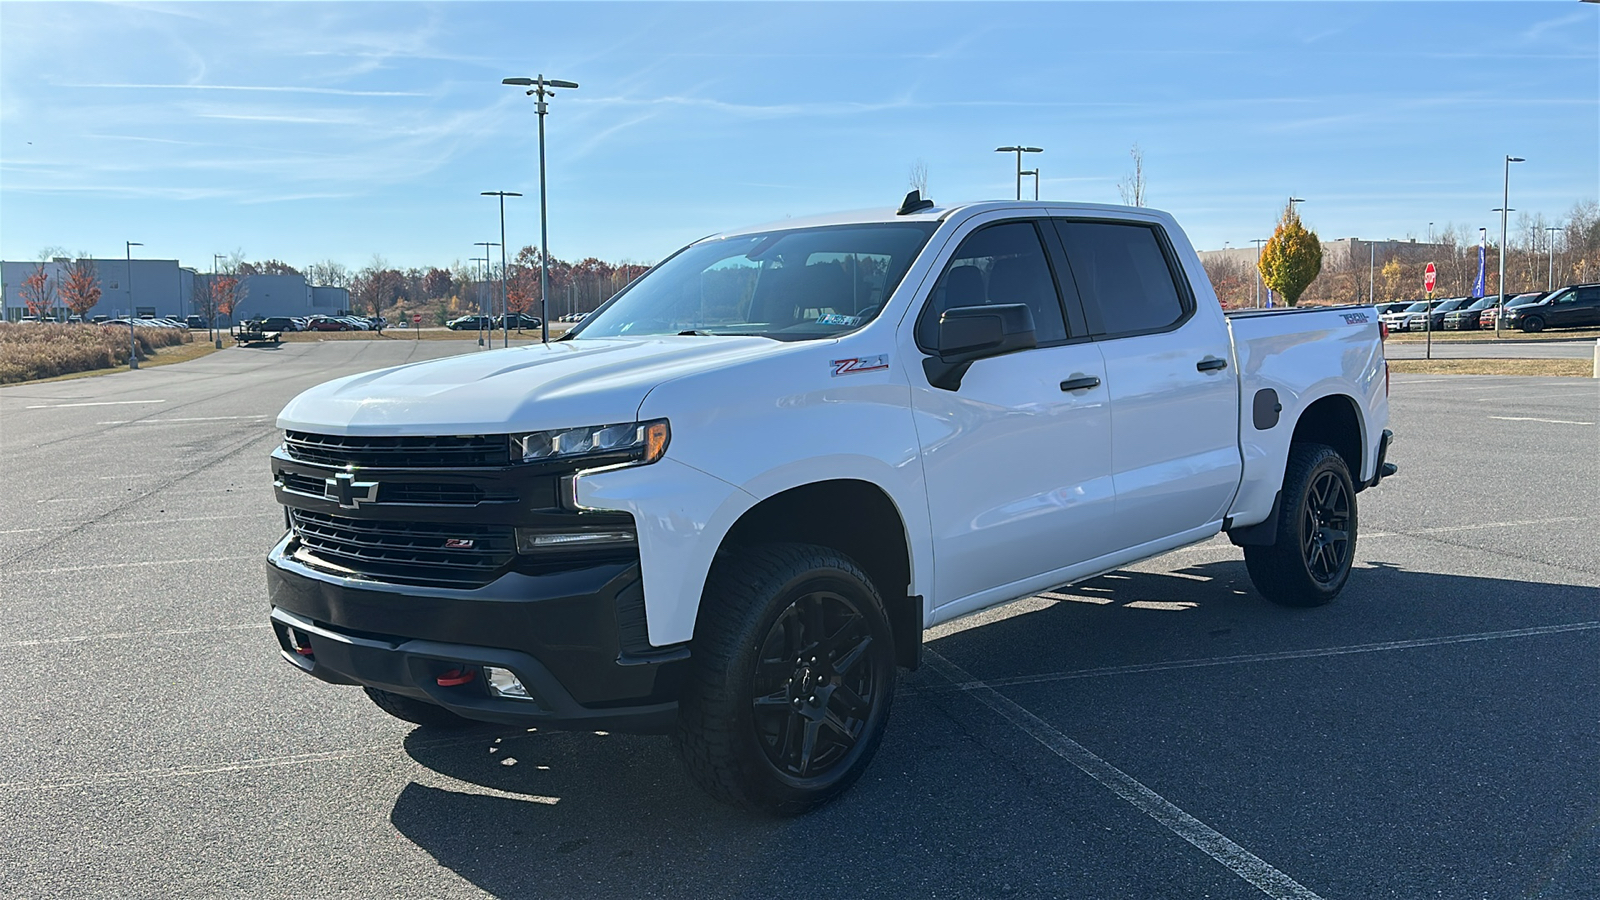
1132, 185
918, 177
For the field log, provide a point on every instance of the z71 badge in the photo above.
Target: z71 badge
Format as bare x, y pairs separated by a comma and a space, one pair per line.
859, 364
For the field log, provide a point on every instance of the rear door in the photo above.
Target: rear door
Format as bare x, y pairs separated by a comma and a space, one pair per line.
1174, 404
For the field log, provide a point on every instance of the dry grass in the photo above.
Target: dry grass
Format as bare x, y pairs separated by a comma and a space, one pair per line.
31, 352
1574, 368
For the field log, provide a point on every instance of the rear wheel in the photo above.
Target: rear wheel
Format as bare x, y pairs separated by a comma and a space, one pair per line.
416, 711
1533, 324
793, 679
1310, 561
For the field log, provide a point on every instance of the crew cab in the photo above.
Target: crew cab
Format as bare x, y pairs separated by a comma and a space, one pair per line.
727, 504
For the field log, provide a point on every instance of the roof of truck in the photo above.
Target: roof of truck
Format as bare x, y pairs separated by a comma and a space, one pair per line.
933, 214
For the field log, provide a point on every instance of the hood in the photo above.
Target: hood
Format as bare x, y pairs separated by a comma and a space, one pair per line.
558, 385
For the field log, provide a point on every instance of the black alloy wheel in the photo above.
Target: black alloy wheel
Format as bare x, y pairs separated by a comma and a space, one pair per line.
815, 685
1325, 528
1312, 552
792, 678
1532, 324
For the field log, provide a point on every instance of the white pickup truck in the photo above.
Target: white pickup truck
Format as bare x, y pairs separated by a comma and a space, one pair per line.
728, 503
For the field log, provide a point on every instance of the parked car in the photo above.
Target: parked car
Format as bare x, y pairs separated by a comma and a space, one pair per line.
196, 322
1487, 317
1396, 321
1466, 318
519, 321
1435, 316
329, 323
1574, 306
470, 323
279, 323
1395, 306
733, 522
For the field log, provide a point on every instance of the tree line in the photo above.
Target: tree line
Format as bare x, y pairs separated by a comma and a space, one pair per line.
1537, 253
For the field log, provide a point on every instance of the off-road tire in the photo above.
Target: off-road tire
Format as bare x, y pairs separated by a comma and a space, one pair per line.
753, 681
1308, 565
417, 712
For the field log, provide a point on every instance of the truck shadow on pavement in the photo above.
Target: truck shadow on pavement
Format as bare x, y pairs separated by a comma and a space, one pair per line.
951, 805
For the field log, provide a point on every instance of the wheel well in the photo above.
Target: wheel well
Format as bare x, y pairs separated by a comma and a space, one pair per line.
859, 520
1334, 421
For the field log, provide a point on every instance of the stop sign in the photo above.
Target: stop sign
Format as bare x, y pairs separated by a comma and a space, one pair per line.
417, 317
1428, 278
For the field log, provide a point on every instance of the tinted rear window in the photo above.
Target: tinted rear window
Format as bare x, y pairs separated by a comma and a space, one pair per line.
1122, 275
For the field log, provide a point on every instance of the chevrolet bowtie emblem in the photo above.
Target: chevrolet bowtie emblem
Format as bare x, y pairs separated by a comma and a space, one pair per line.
348, 492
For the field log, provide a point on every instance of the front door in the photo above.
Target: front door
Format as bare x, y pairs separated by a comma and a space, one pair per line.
1018, 459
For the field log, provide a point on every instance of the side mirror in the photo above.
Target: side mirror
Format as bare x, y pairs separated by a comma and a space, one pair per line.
971, 333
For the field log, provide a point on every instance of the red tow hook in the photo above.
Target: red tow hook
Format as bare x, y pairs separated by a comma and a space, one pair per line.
456, 677
303, 651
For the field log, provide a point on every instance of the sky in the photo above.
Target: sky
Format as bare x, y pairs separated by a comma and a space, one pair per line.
310, 131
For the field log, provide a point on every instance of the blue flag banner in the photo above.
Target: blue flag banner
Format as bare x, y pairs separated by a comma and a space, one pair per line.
1477, 287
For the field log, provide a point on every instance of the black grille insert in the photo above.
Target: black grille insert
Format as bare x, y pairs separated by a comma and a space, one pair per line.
426, 493
460, 451
418, 552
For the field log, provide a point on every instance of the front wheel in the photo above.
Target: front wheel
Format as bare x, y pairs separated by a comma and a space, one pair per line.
793, 677
1310, 561
1533, 324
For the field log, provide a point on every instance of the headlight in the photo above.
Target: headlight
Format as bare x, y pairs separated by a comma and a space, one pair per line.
641, 442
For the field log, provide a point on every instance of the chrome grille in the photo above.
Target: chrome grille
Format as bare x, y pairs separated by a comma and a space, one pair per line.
449, 452
414, 552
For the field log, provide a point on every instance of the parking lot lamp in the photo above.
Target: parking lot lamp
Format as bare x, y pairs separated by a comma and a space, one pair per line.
487, 271
211, 313
1035, 173
1551, 284
542, 87
475, 260
1019, 150
1505, 209
1258, 242
133, 347
505, 298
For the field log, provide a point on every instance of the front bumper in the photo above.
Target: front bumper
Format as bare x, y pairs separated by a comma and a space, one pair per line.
562, 633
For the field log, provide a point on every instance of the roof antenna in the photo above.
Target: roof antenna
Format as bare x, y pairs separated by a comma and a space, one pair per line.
913, 203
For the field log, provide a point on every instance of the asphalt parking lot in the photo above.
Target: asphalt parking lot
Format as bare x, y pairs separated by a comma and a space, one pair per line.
1157, 732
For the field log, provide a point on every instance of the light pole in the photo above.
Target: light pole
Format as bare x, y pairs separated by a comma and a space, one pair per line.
1035, 173
487, 274
1505, 209
133, 347
505, 299
1551, 284
211, 314
1430, 232
475, 260
1019, 150
1258, 242
542, 88
1372, 267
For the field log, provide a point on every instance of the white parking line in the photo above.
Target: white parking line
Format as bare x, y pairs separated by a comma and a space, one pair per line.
123, 635
1207, 662
1446, 529
130, 565
170, 421
146, 523
1532, 419
1213, 843
95, 403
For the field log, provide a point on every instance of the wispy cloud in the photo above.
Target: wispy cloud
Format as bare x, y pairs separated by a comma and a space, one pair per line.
264, 88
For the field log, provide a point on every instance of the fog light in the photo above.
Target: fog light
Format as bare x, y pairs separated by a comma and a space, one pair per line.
531, 541
504, 683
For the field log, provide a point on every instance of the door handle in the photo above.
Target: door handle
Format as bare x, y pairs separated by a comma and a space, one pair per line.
1080, 384
1211, 364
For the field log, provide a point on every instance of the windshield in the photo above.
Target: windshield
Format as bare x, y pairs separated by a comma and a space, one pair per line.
1485, 303
800, 284
1525, 299
1418, 306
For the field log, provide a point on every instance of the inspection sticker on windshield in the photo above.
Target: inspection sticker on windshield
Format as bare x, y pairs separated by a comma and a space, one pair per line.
859, 364
839, 319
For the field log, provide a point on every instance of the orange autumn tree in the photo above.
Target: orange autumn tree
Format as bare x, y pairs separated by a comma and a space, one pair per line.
81, 289
225, 294
38, 291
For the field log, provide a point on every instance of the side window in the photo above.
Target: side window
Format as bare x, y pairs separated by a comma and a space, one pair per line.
1588, 295
1002, 263
1122, 275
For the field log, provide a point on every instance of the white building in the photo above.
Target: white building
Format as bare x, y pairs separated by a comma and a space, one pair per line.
162, 287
